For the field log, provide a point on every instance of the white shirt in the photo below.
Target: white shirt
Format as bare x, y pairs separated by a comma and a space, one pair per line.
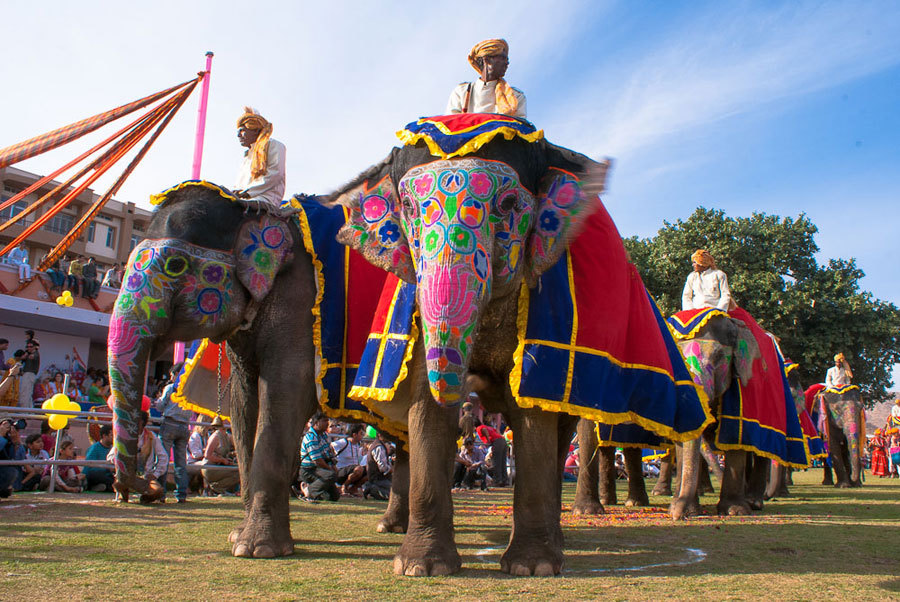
836, 377
270, 187
708, 288
346, 452
483, 99
195, 447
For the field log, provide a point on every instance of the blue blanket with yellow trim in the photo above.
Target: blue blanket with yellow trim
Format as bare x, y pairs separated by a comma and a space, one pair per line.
462, 133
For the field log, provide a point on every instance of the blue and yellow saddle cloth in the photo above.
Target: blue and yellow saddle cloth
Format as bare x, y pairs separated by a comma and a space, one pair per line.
462, 133
591, 344
840, 389
814, 442
686, 324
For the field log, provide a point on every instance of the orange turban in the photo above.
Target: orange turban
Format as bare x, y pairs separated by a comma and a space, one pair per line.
702, 258
260, 149
840, 358
504, 98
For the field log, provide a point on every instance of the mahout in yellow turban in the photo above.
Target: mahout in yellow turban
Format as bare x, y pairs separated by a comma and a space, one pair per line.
259, 152
843, 360
504, 98
702, 258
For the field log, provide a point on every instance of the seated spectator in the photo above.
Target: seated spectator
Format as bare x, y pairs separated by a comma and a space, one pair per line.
28, 477
492, 438
195, 448
351, 473
97, 392
74, 279
220, 452
152, 461
19, 258
48, 439
56, 275
68, 478
100, 478
8, 474
91, 286
34, 450
470, 466
112, 278
56, 385
317, 468
41, 390
378, 470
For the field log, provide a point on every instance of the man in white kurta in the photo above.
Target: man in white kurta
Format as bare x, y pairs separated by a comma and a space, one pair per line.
839, 374
261, 175
707, 286
489, 93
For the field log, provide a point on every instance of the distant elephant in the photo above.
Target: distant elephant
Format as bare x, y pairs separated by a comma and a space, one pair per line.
844, 412
468, 231
213, 267
596, 486
720, 353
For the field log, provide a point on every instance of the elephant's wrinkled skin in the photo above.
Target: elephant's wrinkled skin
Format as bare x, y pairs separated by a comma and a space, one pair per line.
467, 231
215, 268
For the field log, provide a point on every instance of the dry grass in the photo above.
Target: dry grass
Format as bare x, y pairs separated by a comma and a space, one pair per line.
821, 543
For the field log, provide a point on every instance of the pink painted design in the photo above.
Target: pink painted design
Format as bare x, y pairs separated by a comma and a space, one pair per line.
123, 340
423, 185
481, 185
446, 295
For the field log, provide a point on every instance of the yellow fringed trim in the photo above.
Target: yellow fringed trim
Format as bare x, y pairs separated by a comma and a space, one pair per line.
758, 452
160, 198
408, 138
707, 318
178, 396
515, 382
843, 389
751, 448
790, 368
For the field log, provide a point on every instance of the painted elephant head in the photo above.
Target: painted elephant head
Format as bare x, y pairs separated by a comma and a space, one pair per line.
200, 272
466, 231
844, 414
723, 349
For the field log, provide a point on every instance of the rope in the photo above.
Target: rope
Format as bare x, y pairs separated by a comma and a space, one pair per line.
219, 380
45, 142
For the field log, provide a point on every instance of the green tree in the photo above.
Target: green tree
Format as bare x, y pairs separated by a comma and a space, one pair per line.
815, 310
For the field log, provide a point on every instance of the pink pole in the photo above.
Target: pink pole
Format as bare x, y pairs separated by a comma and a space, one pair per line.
198, 159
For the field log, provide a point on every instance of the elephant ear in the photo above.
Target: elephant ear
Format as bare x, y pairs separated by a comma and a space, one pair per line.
263, 247
746, 351
567, 195
374, 222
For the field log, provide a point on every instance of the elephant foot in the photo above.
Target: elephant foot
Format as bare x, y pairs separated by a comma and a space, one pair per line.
122, 492
842, 485
608, 500
682, 508
755, 503
705, 488
586, 507
828, 481
537, 560
637, 500
662, 490
429, 562
733, 508
260, 538
386, 525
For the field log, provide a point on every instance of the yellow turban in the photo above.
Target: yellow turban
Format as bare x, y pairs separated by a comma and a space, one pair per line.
260, 149
504, 98
702, 258
840, 358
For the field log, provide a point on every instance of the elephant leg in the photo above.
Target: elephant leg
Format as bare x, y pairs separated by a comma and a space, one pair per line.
788, 480
704, 482
756, 487
536, 543
637, 489
851, 432
283, 409
776, 481
244, 416
587, 500
839, 457
664, 482
686, 503
396, 516
712, 463
827, 476
732, 500
429, 547
607, 457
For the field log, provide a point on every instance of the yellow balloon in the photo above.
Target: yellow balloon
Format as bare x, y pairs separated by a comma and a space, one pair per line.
72, 406
58, 421
67, 294
69, 301
60, 300
48, 404
59, 401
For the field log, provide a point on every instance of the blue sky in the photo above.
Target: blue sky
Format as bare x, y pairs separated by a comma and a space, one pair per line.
744, 106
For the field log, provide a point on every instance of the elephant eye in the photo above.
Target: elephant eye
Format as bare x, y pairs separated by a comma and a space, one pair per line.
408, 206
508, 202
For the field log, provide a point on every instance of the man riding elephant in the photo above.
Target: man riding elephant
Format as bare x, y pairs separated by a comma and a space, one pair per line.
706, 286
489, 93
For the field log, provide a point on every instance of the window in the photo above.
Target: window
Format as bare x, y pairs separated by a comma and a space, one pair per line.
135, 241
91, 232
60, 223
111, 238
17, 207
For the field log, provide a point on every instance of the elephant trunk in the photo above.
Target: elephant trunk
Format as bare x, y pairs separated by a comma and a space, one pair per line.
128, 350
450, 297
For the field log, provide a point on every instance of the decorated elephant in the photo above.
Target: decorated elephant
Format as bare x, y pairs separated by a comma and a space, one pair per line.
843, 416
214, 267
482, 223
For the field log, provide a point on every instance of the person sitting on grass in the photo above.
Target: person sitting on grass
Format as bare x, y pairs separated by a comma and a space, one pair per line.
34, 450
8, 474
378, 470
317, 467
100, 478
220, 452
348, 453
68, 478
470, 466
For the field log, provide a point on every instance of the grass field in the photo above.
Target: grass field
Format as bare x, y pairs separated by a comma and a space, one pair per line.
819, 544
